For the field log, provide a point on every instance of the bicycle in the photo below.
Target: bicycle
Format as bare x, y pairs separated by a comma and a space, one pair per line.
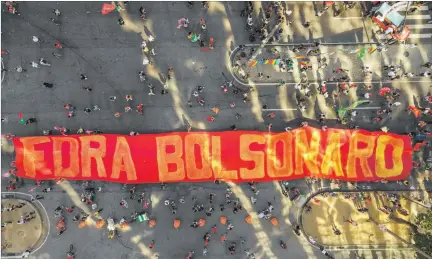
57, 55
70, 254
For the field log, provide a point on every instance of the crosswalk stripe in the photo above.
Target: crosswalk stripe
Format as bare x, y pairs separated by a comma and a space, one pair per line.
418, 17
420, 26
421, 36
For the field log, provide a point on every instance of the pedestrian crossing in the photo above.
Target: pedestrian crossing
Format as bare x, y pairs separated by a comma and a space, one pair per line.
419, 23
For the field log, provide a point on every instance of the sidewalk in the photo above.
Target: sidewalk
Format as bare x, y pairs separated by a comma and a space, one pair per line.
346, 56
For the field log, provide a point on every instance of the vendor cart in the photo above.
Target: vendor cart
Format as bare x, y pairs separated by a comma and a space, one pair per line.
390, 22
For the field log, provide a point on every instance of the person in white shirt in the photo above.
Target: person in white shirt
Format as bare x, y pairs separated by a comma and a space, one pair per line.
312, 240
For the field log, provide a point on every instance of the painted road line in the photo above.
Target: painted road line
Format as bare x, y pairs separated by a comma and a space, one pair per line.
421, 36
420, 26
367, 108
290, 109
348, 18
418, 17
423, 8
295, 109
288, 84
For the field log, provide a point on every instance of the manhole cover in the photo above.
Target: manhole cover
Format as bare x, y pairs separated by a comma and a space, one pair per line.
20, 233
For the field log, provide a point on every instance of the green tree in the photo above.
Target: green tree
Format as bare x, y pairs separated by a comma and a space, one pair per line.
423, 238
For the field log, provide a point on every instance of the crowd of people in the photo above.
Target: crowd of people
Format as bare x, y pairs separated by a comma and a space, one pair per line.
259, 30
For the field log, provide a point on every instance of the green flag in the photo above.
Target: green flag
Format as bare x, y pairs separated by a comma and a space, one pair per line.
342, 111
357, 103
363, 52
143, 217
22, 121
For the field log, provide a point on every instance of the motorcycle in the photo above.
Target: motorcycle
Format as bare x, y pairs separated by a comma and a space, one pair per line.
71, 254
61, 226
170, 73
283, 245
191, 253
142, 13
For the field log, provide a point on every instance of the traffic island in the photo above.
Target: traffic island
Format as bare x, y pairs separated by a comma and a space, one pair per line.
17, 238
360, 219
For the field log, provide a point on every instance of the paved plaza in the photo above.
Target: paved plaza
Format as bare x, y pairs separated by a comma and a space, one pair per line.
335, 213
111, 56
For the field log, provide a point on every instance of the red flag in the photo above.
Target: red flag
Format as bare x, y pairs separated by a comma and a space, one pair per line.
107, 8
20, 115
419, 145
415, 110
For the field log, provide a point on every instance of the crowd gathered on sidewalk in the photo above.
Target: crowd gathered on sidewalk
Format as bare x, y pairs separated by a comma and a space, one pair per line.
265, 29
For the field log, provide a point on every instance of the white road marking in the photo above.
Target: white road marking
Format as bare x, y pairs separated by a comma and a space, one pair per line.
418, 17
290, 109
420, 26
348, 18
423, 8
367, 108
421, 36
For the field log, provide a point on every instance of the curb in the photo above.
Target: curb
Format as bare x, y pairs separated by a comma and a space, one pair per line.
3, 72
42, 213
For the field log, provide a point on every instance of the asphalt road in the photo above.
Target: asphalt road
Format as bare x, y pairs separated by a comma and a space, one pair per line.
110, 56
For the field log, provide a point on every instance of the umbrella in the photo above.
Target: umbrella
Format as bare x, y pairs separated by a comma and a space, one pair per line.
107, 8
383, 91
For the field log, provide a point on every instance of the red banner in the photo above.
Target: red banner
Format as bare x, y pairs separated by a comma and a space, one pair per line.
237, 156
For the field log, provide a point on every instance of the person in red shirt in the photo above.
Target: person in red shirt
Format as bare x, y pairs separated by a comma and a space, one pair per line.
214, 229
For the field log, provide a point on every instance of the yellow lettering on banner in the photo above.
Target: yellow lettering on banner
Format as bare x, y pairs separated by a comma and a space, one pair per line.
248, 155
34, 160
73, 169
203, 141
305, 152
332, 157
275, 167
88, 153
383, 142
122, 161
361, 154
216, 161
164, 158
